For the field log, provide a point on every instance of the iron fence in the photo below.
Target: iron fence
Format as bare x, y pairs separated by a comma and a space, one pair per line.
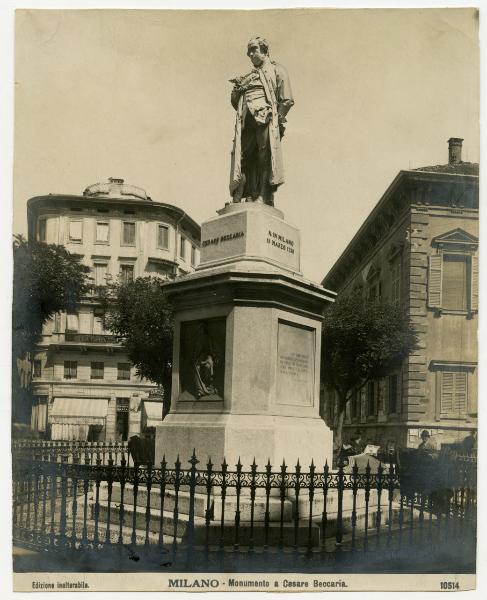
72, 451
230, 516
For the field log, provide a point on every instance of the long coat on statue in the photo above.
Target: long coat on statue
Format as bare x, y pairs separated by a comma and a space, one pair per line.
274, 80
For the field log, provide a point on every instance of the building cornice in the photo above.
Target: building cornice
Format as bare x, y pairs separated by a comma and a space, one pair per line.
54, 200
397, 198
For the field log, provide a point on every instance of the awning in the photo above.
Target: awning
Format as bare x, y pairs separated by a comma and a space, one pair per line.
79, 411
153, 412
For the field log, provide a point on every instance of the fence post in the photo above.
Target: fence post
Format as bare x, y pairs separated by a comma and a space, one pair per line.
238, 488
193, 461
340, 488
311, 492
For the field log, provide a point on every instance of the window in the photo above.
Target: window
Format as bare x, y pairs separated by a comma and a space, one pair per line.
355, 405
75, 230
37, 368
72, 323
453, 393
97, 370
453, 273
127, 273
371, 399
41, 230
374, 286
98, 322
456, 282
102, 232
128, 233
123, 371
182, 248
163, 236
193, 256
70, 369
100, 273
396, 281
57, 323
394, 394
453, 282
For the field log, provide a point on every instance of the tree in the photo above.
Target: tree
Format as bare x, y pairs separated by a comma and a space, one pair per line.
46, 279
139, 314
362, 341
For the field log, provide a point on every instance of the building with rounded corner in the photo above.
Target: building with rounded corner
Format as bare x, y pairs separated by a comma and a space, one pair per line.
83, 384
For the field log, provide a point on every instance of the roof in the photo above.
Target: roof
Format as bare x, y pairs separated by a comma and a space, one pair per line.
460, 168
447, 173
116, 188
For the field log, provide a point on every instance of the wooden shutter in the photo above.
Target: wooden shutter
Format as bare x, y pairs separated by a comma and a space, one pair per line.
460, 398
474, 287
454, 393
447, 392
434, 280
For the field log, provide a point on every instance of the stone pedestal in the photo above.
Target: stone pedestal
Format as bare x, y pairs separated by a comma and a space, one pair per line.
247, 344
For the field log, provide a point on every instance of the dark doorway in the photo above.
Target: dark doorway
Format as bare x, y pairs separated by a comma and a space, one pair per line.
122, 422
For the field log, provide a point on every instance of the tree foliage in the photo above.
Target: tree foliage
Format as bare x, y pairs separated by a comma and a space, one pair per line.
362, 341
46, 279
140, 315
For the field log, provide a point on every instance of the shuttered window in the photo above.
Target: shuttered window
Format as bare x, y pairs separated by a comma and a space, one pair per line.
371, 399
102, 231
453, 282
100, 273
128, 233
163, 237
396, 281
182, 248
393, 393
355, 406
75, 231
454, 393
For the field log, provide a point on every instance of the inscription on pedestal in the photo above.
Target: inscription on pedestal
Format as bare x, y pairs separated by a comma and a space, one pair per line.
250, 233
295, 364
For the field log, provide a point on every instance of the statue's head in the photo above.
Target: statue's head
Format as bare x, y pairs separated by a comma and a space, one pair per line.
257, 50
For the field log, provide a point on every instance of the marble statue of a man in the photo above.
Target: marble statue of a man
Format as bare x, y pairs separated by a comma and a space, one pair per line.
262, 99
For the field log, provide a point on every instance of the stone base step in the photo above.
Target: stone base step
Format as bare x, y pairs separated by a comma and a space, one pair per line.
214, 534
200, 503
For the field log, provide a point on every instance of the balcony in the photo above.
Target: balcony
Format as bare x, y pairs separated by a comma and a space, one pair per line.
90, 338
83, 341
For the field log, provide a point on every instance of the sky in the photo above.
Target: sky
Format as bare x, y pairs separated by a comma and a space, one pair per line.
144, 95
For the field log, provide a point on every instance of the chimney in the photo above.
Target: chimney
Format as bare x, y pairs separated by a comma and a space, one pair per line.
455, 150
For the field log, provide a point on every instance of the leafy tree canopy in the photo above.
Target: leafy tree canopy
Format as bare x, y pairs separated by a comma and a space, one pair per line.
362, 341
139, 313
47, 279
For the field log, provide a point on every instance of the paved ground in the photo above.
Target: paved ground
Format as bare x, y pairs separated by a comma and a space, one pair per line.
151, 559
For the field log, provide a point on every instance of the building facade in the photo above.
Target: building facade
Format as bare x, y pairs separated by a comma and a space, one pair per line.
83, 384
419, 248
